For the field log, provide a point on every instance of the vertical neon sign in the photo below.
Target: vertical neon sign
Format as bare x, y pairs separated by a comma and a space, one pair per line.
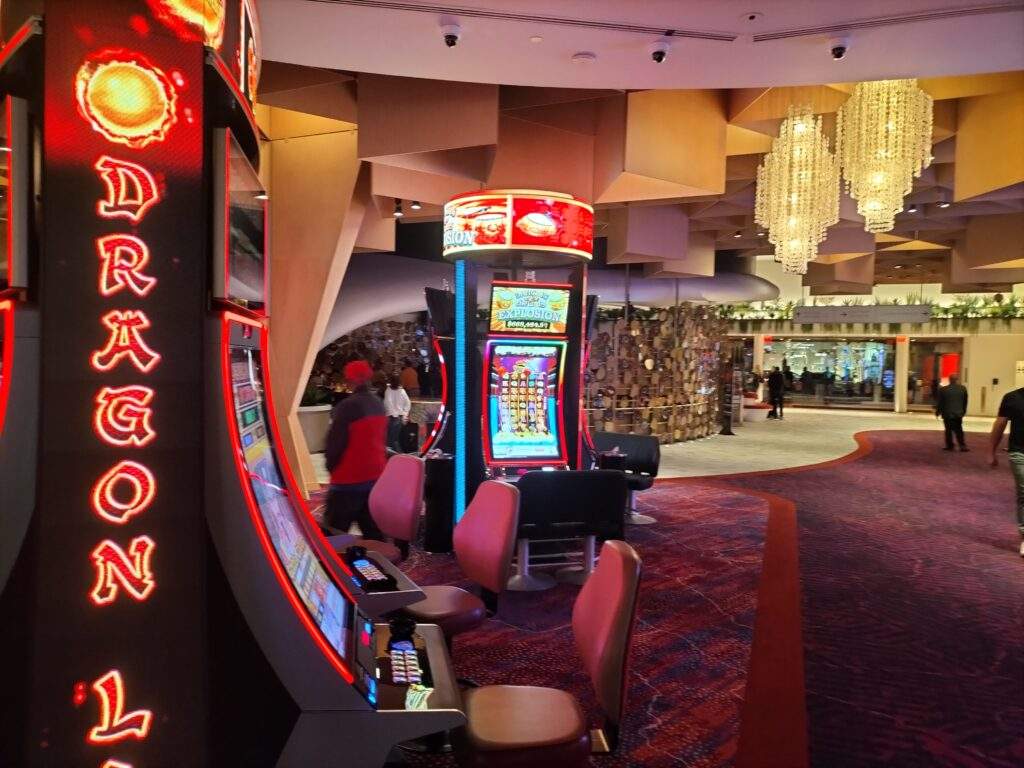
461, 401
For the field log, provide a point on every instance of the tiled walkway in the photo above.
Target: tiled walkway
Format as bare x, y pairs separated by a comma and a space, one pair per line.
805, 436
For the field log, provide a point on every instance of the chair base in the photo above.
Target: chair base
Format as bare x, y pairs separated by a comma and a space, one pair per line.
575, 574
635, 518
530, 582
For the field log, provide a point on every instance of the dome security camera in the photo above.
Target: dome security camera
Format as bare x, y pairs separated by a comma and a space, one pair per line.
451, 34
838, 46
659, 50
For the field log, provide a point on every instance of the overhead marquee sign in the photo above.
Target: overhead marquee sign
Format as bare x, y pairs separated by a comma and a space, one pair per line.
478, 225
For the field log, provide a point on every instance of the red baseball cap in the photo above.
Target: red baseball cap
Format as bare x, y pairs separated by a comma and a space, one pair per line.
358, 372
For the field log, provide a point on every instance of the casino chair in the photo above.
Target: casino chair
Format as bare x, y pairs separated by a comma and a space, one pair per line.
483, 541
643, 456
396, 502
513, 726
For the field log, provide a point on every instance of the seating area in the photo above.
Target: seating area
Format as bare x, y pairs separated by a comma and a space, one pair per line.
514, 725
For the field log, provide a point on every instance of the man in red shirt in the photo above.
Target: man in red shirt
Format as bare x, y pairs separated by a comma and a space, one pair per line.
355, 453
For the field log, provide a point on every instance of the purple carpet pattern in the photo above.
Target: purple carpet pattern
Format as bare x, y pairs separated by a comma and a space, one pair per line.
702, 563
913, 606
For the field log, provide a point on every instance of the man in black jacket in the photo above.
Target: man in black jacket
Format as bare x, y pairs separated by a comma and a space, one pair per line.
776, 392
952, 407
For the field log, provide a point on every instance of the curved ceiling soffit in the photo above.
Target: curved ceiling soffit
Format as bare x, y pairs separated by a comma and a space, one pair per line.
379, 286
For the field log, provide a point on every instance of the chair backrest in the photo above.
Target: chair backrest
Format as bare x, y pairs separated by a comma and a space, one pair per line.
572, 503
486, 534
643, 452
397, 498
602, 623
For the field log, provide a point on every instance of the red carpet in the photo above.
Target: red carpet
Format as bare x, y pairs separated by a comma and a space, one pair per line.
702, 566
913, 605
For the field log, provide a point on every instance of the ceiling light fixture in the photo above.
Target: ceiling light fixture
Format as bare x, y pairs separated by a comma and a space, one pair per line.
584, 57
536, 39
797, 196
261, 196
911, 208
399, 213
884, 141
944, 204
415, 205
738, 234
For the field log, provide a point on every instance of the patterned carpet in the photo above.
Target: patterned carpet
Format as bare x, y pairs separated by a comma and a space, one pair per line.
702, 563
913, 606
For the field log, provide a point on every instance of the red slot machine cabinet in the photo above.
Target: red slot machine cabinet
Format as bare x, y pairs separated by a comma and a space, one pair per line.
523, 378
19, 317
300, 602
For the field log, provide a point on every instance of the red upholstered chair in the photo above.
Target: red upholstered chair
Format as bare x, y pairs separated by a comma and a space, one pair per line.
483, 541
519, 726
396, 502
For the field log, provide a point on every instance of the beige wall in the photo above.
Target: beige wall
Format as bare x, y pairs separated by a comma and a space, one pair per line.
317, 201
986, 358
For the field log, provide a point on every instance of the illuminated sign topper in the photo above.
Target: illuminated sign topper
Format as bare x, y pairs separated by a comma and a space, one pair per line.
529, 222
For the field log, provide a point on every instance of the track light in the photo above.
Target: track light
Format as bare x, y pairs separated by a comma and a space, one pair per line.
415, 205
399, 213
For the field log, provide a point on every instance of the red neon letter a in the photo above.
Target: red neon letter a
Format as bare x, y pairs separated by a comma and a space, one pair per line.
116, 570
131, 189
125, 341
114, 724
122, 259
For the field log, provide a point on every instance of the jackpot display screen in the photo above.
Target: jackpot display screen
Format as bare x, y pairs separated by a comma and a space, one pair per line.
330, 610
523, 391
534, 308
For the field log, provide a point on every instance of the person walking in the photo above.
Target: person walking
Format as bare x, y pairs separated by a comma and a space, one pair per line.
397, 407
1011, 411
410, 379
776, 392
951, 406
355, 453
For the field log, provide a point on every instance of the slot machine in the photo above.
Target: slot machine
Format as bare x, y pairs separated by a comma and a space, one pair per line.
360, 686
523, 397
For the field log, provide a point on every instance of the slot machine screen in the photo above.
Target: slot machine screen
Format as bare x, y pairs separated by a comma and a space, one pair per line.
535, 308
322, 598
523, 392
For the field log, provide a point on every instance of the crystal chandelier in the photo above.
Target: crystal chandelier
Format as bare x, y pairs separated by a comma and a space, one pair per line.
798, 190
884, 141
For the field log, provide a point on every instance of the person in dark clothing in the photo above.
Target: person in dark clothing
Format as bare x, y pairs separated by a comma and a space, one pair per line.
1011, 411
355, 453
776, 392
951, 405
806, 381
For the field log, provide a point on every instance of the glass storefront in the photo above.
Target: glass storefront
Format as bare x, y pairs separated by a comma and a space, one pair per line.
835, 372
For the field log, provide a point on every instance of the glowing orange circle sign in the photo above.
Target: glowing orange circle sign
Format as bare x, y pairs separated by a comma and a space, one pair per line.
126, 98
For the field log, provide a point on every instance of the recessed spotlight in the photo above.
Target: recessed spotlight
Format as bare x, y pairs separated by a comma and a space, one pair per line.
897, 266
584, 57
261, 196
415, 205
738, 234
536, 39
5, 149
944, 204
399, 213
762, 234
911, 209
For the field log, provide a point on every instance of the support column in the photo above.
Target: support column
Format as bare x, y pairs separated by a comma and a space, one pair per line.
758, 361
902, 372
